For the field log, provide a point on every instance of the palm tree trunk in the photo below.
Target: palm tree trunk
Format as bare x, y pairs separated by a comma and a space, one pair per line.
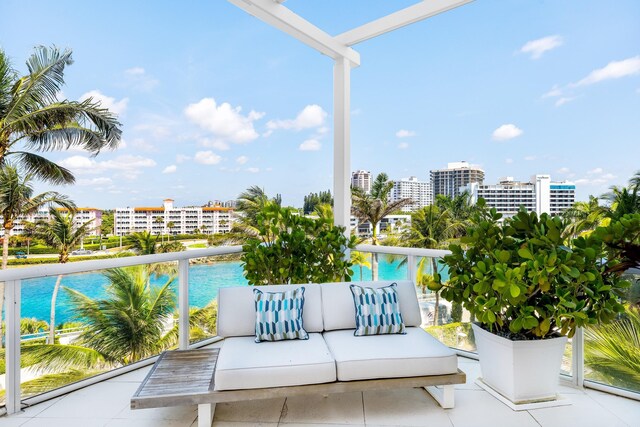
436, 310
361, 272
52, 323
374, 267
5, 247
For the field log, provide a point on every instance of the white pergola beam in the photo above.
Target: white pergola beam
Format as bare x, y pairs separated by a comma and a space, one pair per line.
423, 10
280, 17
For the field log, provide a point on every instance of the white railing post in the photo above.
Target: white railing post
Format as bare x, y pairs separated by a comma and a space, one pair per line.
411, 268
577, 362
183, 304
12, 354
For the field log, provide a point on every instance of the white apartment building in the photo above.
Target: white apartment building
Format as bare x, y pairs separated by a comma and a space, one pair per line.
361, 179
420, 192
83, 215
457, 174
364, 229
169, 219
540, 195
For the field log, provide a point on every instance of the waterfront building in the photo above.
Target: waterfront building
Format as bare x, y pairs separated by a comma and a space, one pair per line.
361, 179
170, 219
388, 223
420, 192
540, 195
82, 215
449, 181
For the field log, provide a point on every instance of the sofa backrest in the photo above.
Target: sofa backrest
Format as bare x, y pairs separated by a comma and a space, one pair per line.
237, 310
338, 309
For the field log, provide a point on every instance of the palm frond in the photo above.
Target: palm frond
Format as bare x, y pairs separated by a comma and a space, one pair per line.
57, 357
43, 168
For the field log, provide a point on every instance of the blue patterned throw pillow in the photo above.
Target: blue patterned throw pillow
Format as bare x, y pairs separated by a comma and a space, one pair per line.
377, 311
279, 315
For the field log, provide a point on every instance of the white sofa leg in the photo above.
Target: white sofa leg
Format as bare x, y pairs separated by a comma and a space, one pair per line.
444, 395
205, 414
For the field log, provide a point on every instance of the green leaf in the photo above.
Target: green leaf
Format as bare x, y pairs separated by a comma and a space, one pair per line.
515, 290
525, 253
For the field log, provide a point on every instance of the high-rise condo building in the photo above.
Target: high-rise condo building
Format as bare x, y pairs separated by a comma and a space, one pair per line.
169, 219
540, 195
419, 192
457, 174
362, 180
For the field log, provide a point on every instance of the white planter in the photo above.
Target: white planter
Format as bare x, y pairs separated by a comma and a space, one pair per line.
521, 371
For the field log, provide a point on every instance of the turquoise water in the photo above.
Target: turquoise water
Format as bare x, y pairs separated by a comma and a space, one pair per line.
204, 282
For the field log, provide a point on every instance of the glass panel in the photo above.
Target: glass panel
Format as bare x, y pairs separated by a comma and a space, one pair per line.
94, 315
206, 276
612, 352
451, 325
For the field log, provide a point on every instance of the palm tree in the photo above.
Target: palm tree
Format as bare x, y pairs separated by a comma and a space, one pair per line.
431, 228
143, 242
125, 326
624, 200
170, 226
31, 116
16, 199
250, 203
373, 207
584, 217
361, 260
460, 209
61, 233
159, 220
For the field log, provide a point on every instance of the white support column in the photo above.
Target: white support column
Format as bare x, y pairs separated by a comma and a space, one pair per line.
206, 411
183, 304
12, 354
444, 395
577, 362
342, 143
411, 269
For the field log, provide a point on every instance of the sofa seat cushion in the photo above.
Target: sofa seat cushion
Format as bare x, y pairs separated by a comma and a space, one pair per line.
243, 363
389, 356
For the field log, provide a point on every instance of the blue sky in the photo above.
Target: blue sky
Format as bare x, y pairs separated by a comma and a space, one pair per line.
213, 100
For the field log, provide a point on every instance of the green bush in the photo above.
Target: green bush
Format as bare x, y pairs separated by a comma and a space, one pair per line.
295, 249
520, 280
36, 261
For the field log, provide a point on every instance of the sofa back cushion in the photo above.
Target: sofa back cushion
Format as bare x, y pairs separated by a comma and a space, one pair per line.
237, 309
338, 309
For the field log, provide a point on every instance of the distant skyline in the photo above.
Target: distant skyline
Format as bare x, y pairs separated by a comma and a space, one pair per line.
213, 101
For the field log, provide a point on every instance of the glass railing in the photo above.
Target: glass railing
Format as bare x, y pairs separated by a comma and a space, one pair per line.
33, 369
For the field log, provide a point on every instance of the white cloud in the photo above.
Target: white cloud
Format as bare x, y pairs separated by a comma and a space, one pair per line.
170, 169
506, 132
142, 144
608, 176
218, 144
530, 158
116, 107
207, 158
138, 78
564, 170
95, 181
403, 133
613, 70
595, 171
242, 160
181, 158
223, 121
310, 145
538, 47
311, 116
127, 166
508, 161
253, 170
564, 100
555, 91
403, 145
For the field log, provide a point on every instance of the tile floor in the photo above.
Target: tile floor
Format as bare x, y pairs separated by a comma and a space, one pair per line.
107, 404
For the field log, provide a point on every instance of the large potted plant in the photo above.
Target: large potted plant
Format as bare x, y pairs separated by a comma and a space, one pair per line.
528, 291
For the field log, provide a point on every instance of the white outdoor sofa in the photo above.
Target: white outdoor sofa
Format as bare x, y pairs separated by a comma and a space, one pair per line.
332, 360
